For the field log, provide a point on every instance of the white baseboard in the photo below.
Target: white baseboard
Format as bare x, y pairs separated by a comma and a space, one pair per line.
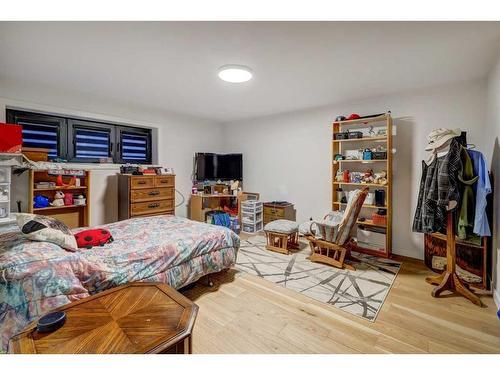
496, 297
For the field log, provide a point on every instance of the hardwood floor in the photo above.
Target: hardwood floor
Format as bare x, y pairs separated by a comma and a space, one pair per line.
242, 313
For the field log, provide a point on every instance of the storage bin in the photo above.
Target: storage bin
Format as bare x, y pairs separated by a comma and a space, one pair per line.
379, 155
341, 135
379, 219
370, 237
251, 205
355, 135
247, 227
4, 174
251, 217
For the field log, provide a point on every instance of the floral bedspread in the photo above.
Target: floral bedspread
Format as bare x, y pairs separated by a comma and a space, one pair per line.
36, 277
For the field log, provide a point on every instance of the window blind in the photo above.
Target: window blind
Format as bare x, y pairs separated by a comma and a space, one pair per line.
92, 143
134, 147
41, 136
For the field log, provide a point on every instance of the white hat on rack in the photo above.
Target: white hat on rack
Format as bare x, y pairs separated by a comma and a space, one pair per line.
438, 137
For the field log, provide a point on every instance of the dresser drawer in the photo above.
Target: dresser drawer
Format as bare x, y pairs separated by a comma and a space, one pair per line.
274, 211
145, 195
151, 207
165, 181
170, 212
142, 182
268, 218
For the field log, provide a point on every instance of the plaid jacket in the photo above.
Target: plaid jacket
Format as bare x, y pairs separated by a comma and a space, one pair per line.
438, 186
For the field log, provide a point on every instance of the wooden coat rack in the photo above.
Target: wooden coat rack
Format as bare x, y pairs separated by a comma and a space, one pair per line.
449, 279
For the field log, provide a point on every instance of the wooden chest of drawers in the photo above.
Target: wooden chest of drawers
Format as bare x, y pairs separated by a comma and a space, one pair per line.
274, 211
145, 195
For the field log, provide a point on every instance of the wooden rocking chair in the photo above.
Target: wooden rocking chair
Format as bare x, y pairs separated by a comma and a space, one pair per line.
331, 242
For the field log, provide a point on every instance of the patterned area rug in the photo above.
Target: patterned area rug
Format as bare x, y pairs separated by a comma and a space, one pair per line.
361, 292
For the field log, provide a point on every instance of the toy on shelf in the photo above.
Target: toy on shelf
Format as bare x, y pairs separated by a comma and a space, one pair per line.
368, 177
58, 199
80, 200
339, 176
381, 178
39, 201
356, 177
59, 181
68, 199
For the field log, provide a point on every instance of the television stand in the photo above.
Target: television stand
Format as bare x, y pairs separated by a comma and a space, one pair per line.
200, 204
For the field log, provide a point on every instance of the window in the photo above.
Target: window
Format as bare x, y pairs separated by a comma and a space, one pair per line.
134, 145
85, 141
90, 141
41, 131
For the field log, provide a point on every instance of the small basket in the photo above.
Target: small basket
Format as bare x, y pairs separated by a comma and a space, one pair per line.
342, 135
355, 135
379, 155
79, 201
379, 219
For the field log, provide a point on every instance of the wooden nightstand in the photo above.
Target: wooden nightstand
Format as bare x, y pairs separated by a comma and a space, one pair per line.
276, 211
146, 318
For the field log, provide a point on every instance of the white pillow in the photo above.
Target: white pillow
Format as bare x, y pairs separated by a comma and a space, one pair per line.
46, 229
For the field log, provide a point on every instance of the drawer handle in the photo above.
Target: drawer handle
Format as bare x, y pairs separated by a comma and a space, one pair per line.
141, 182
163, 181
153, 193
153, 205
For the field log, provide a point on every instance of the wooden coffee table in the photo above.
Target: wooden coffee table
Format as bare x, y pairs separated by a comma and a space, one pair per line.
134, 318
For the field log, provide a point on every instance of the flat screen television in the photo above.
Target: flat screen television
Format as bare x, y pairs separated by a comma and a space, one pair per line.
209, 166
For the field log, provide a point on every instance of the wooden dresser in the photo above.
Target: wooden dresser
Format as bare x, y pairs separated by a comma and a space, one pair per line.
145, 195
274, 211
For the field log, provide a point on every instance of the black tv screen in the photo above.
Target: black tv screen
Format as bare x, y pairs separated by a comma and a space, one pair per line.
205, 166
210, 166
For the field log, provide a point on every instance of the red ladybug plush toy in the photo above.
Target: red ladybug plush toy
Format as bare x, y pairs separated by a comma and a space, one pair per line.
93, 237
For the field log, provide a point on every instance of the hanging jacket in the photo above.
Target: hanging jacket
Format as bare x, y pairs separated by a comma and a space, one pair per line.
465, 223
438, 186
482, 188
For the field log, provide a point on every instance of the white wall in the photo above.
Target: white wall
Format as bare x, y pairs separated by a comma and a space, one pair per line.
179, 137
492, 152
288, 156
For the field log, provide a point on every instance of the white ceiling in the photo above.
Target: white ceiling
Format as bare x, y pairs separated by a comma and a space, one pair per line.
172, 66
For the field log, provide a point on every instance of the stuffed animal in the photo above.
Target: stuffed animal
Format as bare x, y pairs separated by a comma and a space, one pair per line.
339, 177
58, 199
381, 178
39, 201
368, 177
93, 237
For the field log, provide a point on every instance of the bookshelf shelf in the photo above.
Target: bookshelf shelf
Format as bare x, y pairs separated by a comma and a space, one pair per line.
340, 145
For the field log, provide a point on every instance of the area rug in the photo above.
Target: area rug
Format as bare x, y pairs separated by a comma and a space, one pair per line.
361, 292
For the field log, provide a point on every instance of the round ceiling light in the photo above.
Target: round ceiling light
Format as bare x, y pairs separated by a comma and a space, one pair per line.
235, 73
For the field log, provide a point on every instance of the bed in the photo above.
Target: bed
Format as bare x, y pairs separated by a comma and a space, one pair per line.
36, 277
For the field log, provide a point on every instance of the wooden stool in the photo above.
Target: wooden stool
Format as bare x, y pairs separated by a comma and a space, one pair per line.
282, 236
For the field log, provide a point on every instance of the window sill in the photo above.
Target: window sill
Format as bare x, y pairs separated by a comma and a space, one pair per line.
85, 166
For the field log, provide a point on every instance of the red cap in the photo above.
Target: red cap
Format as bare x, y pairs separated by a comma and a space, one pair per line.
353, 116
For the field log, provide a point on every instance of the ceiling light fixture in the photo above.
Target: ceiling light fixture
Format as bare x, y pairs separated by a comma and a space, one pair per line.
235, 73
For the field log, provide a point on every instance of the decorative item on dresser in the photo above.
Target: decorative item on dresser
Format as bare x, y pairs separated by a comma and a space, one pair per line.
145, 195
142, 318
47, 186
278, 210
362, 157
